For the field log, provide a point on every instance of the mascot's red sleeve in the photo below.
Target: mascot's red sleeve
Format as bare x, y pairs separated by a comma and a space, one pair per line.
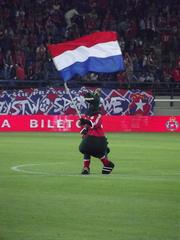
96, 127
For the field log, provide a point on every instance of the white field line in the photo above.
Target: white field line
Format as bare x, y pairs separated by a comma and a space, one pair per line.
19, 168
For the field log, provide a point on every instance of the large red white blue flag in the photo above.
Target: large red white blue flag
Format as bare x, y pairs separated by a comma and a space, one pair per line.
97, 52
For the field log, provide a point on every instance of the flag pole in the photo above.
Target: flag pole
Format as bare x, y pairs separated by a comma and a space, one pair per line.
69, 93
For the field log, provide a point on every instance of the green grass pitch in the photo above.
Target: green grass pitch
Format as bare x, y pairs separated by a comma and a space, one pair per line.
44, 197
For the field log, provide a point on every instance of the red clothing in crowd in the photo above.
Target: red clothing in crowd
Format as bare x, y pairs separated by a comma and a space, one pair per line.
20, 73
178, 63
1, 59
19, 58
176, 74
166, 37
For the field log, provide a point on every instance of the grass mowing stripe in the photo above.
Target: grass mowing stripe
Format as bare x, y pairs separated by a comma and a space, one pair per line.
140, 200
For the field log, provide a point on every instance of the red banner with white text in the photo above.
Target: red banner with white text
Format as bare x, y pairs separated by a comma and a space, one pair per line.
68, 123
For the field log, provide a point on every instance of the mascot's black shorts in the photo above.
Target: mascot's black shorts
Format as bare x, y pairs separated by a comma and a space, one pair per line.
94, 146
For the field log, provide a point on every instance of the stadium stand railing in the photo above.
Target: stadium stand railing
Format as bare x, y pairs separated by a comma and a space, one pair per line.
170, 89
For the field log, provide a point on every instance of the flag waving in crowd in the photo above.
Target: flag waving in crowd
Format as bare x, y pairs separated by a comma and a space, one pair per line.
97, 52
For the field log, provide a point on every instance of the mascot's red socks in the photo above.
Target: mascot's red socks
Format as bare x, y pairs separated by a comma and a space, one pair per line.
105, 161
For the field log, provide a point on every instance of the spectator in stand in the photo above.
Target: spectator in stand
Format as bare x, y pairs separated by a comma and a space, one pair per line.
135, 61
39, 70
71, 12
176, 74
92, 21
41, 56
121, 78
102, 6
151, 61
150, 78
72, 32
1, 63
178, 62
132, 29
108, 21
31, 71
56, 5
167, 74
8, 65
20, 72
166, 37
90, 78
128, 66
50, 27
41, 52
5, 40
142, 78
19, 58
150, 28
142, 26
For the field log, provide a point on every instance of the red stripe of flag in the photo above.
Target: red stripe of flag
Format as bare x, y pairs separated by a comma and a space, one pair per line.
87, 41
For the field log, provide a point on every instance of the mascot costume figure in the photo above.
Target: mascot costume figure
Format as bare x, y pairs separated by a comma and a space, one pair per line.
94, 143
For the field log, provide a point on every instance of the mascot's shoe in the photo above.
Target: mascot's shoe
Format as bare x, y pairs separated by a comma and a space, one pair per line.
85, 171
108, 168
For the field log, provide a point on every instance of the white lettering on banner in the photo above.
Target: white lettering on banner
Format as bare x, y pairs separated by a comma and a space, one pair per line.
45, 105
42, 124
78, 124
117, 104
33, 107
69, 123
19, 107
5, 123
58, 107
64, 123
49, 124
114, 106
4, 108
33, 123
59, 123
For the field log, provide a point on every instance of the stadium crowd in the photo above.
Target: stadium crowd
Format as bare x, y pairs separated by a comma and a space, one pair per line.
148, 30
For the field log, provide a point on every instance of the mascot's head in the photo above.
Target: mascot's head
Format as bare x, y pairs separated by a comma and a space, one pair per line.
93, 100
